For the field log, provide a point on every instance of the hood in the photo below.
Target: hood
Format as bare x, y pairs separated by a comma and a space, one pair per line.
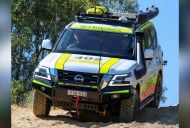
87, 63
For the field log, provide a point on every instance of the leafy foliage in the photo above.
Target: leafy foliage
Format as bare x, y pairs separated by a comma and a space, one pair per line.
19, 95
17, 89
163, 97
34, 20
130, 6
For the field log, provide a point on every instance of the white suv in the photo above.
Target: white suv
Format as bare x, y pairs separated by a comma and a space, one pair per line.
101, 65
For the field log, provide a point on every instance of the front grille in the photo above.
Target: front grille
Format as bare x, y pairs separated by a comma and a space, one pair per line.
91, 80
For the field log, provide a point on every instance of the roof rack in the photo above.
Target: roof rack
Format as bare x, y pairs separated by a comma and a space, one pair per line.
126, 18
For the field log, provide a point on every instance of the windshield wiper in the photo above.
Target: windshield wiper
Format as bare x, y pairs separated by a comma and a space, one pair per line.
72, 45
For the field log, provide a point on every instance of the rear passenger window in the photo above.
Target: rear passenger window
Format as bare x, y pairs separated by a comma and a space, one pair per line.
153, 38
147, 40
143, 44
150, 38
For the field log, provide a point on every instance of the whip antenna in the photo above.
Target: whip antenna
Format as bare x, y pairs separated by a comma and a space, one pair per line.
99, 64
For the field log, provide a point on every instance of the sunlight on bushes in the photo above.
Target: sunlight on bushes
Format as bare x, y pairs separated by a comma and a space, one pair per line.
19, 95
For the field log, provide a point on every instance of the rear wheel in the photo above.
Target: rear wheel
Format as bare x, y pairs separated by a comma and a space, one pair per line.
157, 94
41, 104
129, 107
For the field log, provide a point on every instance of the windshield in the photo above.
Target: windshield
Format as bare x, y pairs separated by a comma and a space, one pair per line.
97, 43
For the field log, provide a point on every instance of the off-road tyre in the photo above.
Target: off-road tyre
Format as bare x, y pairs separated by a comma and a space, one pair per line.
41, 105
129, 108
157, 93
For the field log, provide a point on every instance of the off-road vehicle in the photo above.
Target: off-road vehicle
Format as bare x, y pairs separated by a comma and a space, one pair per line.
102, 62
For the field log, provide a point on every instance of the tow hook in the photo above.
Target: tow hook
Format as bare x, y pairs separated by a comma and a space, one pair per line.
76, 104
103, 113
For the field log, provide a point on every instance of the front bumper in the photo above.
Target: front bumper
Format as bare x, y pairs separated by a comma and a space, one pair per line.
94, 99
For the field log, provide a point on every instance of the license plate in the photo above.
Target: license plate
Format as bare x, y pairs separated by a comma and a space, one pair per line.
77, 93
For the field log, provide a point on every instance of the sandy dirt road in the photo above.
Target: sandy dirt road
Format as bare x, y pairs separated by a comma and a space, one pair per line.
166, 117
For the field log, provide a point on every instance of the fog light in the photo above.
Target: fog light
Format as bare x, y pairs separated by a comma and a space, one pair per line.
115, 96
43, 88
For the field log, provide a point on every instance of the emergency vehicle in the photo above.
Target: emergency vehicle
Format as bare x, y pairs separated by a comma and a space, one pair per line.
102, 62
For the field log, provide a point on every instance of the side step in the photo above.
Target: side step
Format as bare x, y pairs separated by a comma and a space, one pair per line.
146, 101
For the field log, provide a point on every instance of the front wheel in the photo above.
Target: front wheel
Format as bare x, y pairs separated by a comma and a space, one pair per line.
129, 107
41, 104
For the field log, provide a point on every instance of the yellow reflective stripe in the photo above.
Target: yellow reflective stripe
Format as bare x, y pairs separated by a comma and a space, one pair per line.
62, 59
117, 92
106, 66
147, 25
84, 61
101, 28
40, 83
94, 87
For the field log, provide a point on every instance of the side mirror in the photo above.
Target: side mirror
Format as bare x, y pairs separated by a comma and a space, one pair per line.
148, 54
46, 44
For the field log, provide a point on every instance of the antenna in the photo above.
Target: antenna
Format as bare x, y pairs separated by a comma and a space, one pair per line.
95, 9
99, 64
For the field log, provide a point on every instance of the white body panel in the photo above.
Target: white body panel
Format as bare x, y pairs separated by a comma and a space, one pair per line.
90, 66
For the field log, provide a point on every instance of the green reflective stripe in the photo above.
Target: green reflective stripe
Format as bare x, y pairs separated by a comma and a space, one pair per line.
61, 61
97, 27
60, 83
117, 92
94, 87
148, 83
106, 66
40, 83
147, 25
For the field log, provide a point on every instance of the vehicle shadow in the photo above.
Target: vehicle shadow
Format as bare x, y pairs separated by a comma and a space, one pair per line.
163, 115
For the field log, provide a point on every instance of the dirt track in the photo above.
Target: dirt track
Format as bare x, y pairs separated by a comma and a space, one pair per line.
166, 117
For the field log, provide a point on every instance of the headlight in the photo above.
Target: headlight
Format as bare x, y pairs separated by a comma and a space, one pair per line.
120, 80
42, 72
